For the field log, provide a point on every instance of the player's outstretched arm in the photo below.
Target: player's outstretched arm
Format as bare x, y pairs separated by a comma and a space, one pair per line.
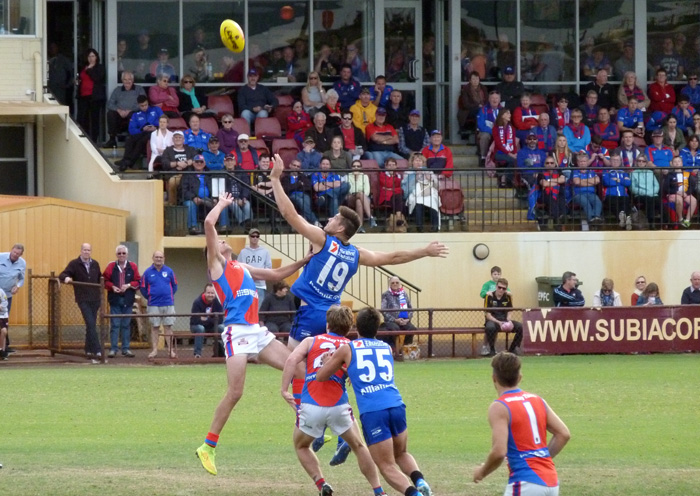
498, 418
279, 273
215, 261
290, 366
376, 258
560, 432
342, 356
310, 232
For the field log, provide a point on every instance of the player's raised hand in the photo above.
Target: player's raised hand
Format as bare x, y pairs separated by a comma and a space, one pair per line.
277, 168
225, 199
437, 249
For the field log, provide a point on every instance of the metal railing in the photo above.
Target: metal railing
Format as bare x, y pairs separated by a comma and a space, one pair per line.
366, 286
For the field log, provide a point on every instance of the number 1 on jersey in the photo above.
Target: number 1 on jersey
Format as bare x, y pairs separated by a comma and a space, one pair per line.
533, 422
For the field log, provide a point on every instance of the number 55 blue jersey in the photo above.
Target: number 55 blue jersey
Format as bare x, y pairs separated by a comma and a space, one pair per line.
324, 278
371, 373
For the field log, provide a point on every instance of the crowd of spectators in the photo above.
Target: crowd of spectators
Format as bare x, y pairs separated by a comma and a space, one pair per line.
617, 153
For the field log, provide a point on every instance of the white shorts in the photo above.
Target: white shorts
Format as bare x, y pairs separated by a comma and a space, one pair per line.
313, 419
161, 315
530, 489
245, 339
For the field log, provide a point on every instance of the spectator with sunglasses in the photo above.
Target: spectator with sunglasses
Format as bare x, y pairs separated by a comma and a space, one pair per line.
692, 90
192, 99
228, 137
606, 296
256, 256
499, 317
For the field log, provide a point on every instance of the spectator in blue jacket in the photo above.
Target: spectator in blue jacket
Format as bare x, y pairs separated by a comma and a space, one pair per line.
309, 157
141, 125
616, 183
213, 156
485, 121
585, 181
692, 89
209, 304
158, 286
348, 87
195, 136
530, 157
568, 294
684, 114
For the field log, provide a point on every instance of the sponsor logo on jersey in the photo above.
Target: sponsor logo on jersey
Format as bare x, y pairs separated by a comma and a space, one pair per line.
333, 248
242, 342
358, 344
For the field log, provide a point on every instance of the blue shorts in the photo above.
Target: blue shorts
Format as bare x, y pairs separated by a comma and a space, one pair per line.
308, 321
383, 424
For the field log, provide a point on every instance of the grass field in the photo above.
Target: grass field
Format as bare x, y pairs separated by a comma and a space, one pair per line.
84, 430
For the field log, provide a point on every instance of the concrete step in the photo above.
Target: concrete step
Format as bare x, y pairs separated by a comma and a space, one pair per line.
499, 217
486, 203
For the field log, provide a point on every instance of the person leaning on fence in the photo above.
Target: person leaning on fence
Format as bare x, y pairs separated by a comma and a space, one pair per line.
396, 307
158, 286
500, 320
280, 300
568, 294
86, 270
122, 279
205, 303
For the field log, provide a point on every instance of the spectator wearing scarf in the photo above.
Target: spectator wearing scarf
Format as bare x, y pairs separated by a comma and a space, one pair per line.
396, 308
605, 296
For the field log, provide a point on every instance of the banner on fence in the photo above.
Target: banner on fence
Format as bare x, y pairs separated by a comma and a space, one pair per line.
611, 330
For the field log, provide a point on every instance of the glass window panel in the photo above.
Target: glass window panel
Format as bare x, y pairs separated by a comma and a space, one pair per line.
399, 43
278, 39
12, 142
605, 27
548, 42
17, 17
343, 32
204, 56
488, 37
672, 37
146, 28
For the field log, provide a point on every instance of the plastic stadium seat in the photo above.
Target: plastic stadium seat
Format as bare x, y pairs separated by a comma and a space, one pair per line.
401, 164
221, 104
452, 201
209, 125
369, 164
287, 148
241, 125
259, 145
539, 104
267, 128
283, 109
177, 124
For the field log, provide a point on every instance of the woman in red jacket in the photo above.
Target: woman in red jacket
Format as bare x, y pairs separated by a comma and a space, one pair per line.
390, 192
298, 122
661, 94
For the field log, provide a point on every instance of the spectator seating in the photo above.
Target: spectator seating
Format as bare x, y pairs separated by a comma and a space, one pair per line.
241, 126
259, 145
221, 104
287, 148
209, 125
177, 124
268, 128
401, 163
539, 104
639, 141
283, 109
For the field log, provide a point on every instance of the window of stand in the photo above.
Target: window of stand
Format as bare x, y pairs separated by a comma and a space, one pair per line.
673, 41
17, 17
342, 34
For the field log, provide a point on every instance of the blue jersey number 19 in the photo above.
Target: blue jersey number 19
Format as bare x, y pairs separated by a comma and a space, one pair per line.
338, 275
364, 361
